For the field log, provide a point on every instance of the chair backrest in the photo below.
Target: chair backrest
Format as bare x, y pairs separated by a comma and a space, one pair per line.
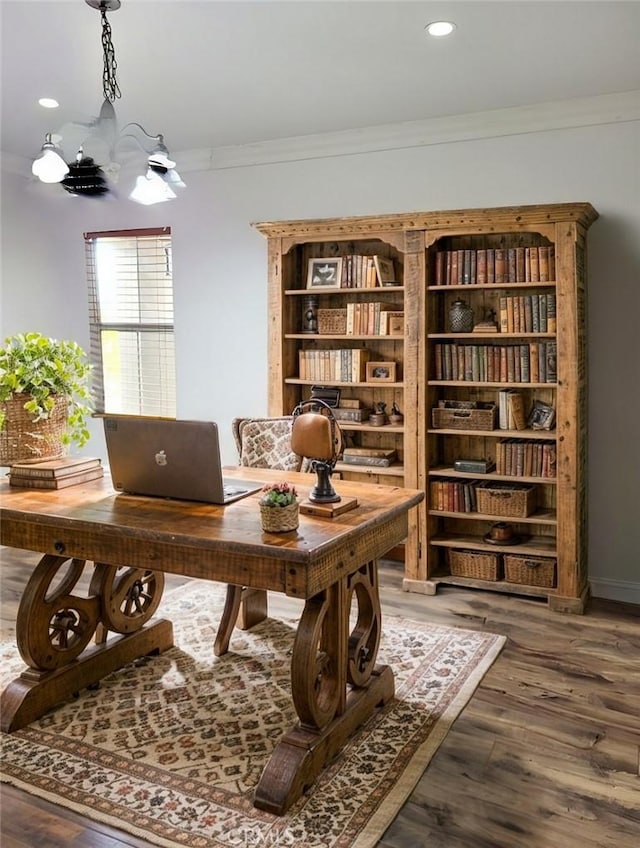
265, 443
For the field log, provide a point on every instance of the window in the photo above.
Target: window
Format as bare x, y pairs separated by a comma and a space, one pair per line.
131, 321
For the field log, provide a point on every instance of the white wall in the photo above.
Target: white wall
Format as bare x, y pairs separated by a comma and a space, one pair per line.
220, 277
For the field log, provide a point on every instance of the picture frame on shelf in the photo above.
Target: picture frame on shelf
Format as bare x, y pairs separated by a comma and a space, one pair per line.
395, 324
381, 372
324, 273
385, 269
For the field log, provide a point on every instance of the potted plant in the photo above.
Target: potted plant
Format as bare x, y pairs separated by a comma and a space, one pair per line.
44, 397
279, 507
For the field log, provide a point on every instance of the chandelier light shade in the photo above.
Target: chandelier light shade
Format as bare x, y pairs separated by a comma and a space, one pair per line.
85, 177
50, 167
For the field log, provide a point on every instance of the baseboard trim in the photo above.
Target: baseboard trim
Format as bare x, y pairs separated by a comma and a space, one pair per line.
615, 590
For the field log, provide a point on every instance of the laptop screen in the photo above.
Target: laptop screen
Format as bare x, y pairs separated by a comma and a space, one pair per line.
170, 459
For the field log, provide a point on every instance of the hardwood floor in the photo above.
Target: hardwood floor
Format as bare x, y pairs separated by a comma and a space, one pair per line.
546, 754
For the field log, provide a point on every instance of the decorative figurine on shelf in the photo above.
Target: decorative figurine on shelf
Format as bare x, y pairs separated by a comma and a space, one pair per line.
378, 417
489, 325
310, 314
396, 417
460, 317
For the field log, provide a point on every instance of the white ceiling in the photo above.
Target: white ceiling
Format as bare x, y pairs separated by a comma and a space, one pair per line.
212, 74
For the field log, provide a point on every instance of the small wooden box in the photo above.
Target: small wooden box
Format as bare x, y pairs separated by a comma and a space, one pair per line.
530, 570
515, 500
332, 322
480, 565
464, 415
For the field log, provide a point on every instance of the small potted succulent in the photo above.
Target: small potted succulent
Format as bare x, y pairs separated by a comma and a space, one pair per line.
44, 397
279, 507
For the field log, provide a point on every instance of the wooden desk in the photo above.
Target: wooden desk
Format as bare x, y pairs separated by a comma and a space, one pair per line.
130, 542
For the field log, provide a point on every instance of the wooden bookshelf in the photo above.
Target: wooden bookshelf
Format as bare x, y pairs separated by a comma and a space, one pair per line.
420, 245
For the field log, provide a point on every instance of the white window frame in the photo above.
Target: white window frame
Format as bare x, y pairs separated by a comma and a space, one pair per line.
131, 321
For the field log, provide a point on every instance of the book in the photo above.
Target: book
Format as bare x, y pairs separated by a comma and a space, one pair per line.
26, 482
377, 461
384, 453
515, 409
357, 416
54, 468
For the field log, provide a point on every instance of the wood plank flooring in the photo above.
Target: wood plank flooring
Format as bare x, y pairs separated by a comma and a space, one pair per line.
546, 754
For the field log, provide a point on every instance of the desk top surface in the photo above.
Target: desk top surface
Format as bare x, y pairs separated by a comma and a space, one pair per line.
92, 521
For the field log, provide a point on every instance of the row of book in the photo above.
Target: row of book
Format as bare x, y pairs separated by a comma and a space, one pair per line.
528, 313
526, 458
495, 265
533, 362
453, 495
374, 319
366, 272
55, 473
342, 365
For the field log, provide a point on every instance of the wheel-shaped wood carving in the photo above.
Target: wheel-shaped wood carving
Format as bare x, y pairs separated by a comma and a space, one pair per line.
316, 661
54, 626
130, 596
364, 639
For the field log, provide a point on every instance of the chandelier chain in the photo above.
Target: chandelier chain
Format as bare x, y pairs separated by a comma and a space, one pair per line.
110, 87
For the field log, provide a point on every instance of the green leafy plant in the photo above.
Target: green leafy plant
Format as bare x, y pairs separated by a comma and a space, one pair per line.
42, 368
278, 494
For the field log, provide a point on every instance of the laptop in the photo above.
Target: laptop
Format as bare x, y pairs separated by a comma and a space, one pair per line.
170, 459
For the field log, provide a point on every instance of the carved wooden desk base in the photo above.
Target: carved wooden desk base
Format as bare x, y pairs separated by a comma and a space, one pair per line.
335, 683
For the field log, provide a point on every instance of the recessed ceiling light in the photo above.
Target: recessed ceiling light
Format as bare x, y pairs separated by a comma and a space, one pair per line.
48, 103
440, 28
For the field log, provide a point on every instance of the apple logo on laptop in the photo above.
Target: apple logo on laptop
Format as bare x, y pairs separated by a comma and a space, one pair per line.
161, 458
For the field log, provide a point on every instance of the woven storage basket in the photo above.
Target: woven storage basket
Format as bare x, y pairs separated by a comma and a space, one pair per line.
516, 500
279, 519
22, 439
530, 570
332, 321
464, 415
482, 566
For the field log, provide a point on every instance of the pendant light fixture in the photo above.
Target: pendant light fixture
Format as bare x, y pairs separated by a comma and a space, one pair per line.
84, 177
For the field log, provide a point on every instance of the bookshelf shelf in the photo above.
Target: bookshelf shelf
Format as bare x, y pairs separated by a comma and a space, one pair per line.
500, 255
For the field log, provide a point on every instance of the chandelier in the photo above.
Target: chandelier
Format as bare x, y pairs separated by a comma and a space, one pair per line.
83, 176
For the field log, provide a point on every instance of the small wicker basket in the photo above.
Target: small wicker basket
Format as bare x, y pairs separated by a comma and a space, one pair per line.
22, 439
481, 566
332, 321
530, 570
279, 519
516, 500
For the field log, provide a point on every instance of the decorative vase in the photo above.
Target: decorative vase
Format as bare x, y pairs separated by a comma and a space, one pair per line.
310, 314
24, 440
460, 317
279, 519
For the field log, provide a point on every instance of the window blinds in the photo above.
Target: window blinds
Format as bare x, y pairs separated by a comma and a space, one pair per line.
131, 321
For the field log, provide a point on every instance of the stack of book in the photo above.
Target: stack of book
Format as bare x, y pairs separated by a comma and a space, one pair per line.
55, 473
380, 457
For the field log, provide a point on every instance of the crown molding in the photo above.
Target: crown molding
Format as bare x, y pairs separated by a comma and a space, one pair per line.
600, 109
540, 117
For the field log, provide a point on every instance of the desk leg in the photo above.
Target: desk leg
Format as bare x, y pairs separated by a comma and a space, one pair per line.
336, 686
54, 629
244, 608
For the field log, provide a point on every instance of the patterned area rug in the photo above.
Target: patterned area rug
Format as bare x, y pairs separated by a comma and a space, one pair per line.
170, 748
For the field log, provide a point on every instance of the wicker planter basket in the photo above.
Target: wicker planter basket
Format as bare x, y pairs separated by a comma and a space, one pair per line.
22, 439
279, 519
476, 564
530, 570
